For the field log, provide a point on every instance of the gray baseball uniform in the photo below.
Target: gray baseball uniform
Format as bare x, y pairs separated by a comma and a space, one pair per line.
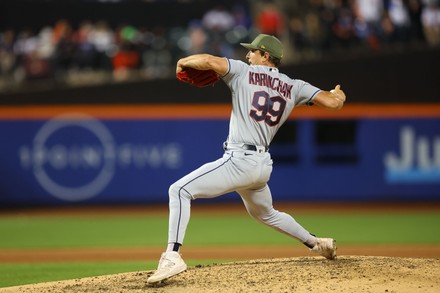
262, 100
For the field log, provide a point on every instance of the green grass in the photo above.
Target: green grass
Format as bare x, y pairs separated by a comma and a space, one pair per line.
65, 232
24, 232
22, 274
402, 228
366, 228
87, 231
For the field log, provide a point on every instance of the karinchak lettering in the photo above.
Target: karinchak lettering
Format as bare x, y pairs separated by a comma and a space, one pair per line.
263, 79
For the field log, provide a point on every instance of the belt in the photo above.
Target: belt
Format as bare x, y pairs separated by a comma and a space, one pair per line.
247, 147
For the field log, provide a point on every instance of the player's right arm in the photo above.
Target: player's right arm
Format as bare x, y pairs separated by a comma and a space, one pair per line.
204, 62
331, 100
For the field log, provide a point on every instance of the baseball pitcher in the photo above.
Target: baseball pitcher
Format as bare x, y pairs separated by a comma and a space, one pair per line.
262, 100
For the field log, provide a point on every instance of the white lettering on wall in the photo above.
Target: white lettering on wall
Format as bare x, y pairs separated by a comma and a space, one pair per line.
417, 160
51, 153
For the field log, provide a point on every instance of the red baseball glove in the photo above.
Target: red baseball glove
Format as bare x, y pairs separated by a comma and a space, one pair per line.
199, 78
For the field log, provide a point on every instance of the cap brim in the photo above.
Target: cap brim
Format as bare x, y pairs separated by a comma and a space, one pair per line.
249, 46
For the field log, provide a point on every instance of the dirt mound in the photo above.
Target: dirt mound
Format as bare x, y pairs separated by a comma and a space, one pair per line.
298, 274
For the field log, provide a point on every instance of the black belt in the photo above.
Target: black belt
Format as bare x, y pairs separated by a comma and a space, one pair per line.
250, 147
247, 147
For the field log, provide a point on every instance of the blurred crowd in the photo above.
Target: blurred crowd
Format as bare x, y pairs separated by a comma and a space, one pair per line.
95, 52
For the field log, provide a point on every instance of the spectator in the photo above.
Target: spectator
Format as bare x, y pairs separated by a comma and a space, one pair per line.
431, 22
241, 16
415, 15
314, 33
103, 39
315, 28
398, 15
269, 19
343, 26
217, 21
86, 52
65, 48
297, 35
7, 56
157, 59
25, 49
197, 37
368, 20
127, 58
45, 44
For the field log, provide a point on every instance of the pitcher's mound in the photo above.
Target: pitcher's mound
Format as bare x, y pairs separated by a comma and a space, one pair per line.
299, 274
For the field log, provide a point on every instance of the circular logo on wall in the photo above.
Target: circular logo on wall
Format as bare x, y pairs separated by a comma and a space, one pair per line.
74, 156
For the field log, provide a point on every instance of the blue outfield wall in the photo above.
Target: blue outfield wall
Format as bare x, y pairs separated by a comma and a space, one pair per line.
80, 159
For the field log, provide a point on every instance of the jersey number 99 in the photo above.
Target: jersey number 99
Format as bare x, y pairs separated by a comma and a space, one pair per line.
266, 108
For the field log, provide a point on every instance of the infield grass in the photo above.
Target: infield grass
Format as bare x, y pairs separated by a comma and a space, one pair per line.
22, 274
33, 232
107, 231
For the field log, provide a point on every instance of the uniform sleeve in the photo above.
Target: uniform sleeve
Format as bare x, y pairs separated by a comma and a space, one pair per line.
305, 92
235, 68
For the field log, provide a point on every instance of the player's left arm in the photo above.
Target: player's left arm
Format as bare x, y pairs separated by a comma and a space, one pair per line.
204, 62
331, 100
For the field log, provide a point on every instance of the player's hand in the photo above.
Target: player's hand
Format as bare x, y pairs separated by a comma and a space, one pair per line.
178, 68
338, 93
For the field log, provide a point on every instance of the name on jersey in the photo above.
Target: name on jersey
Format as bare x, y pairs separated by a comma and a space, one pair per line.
276, 84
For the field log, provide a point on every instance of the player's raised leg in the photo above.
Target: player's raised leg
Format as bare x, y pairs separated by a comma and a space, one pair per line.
258, 202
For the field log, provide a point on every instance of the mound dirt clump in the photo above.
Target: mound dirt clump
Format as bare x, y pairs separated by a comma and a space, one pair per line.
298, 274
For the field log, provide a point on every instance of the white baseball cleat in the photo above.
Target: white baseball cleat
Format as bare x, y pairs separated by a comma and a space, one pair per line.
326, 247
170, 264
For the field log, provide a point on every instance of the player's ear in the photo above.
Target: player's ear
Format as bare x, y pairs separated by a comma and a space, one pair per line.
266, 55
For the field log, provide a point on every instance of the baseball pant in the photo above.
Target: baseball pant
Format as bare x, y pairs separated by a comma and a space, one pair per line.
247, 173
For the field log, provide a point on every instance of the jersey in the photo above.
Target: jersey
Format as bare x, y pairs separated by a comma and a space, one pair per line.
262, 100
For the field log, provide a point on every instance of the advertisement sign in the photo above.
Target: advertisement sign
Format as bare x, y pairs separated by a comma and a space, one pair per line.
390, 159
75, 157
78, 158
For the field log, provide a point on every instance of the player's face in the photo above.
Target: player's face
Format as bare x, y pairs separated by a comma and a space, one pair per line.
254, 57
